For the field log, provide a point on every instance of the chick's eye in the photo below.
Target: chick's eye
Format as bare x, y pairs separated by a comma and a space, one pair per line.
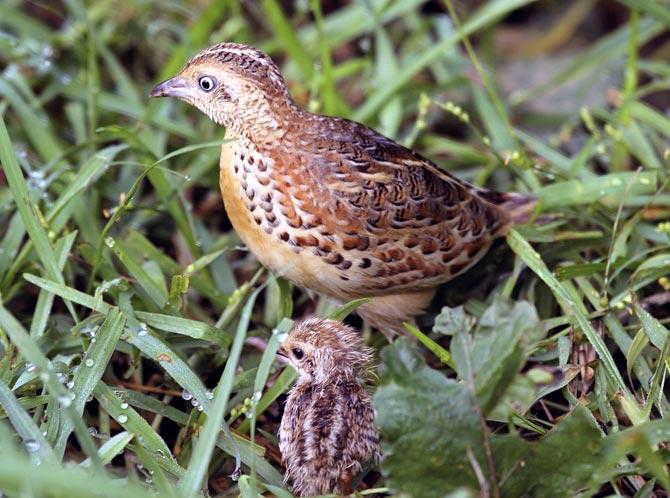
298, 353
207, 83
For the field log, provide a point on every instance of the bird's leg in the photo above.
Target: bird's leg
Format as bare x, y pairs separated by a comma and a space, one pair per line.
345, 482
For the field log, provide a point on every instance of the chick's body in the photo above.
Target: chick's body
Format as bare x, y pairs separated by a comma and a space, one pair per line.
331, 204
327, 432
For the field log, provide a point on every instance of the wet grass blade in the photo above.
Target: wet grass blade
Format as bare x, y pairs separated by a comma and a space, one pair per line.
33, 439
486, 15
572, 309
204, 446
93, 366
31, 352
33, 226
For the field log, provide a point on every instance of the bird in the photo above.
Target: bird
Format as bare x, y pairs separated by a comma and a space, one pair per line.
327, 434
332, 205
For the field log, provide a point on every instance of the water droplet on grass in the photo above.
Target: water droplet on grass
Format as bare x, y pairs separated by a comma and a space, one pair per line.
66, 400
142, 330
32, 446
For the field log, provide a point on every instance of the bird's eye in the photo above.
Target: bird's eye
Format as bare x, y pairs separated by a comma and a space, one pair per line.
298, 353
207, 83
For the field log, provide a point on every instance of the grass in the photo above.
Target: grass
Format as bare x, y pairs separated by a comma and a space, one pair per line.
130, 315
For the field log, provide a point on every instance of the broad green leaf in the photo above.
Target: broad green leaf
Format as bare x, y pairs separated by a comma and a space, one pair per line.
493, 355
427, 423
452, 321
566, 458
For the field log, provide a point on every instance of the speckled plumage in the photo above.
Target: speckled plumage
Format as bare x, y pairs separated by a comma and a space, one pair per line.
327, 433
333, 205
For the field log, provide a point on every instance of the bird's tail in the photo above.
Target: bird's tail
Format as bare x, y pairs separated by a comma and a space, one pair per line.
520, 207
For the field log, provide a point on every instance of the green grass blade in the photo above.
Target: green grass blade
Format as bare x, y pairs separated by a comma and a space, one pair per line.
185, 326
606, 188
133, 422
19, 190
523, 249
443, 355
112, 447
347, 309
36, 444
89, 373
204, 446
486, 15
45, 299
156, 292
286, 36
69, 294
32, 353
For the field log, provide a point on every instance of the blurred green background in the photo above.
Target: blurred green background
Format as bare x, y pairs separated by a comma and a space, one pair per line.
132, 322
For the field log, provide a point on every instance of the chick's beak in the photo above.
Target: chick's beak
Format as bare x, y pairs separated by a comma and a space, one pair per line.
282, 355
174, 87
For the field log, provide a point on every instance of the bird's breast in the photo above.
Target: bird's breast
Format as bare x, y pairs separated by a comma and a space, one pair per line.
263, 215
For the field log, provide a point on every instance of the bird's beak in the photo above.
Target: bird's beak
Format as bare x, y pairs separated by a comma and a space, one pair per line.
174, 87
282, 356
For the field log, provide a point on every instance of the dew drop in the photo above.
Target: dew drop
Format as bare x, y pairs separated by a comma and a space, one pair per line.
124, 406
194, 402
142, 330
70, 384
209, 394
89, 362
123, 419
235, 476
93, 431
186, 395
32, 446
30, 367
66, 400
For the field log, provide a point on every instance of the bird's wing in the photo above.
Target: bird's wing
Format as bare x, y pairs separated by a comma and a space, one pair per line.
396, 189
360, 415
397, 218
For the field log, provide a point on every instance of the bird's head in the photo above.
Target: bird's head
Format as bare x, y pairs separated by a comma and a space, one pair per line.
233, 84
321, 350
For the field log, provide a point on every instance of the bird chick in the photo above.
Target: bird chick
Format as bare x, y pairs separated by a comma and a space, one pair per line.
327, 432
329, 203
